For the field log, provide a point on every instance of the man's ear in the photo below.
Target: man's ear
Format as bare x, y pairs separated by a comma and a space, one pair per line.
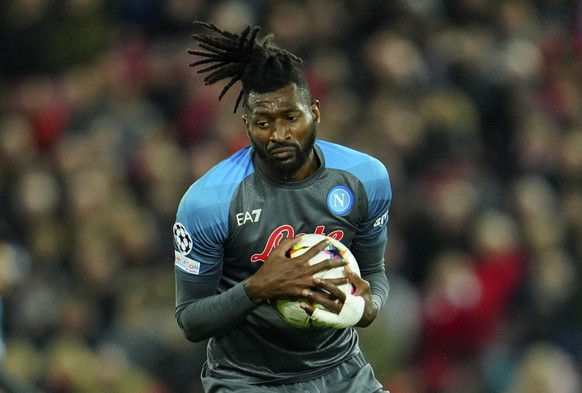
247, 128
315, 112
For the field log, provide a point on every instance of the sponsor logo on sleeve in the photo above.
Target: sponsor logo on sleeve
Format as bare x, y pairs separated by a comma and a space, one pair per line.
182, 238
381, 221
187, 264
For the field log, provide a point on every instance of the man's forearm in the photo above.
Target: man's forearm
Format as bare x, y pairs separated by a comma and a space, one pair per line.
213, 315
379, 287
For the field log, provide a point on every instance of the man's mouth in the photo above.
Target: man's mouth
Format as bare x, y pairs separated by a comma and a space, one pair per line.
282, 153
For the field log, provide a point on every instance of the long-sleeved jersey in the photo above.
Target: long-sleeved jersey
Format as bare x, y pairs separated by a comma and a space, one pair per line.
228, 222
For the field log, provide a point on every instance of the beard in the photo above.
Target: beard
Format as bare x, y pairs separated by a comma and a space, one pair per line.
286, 168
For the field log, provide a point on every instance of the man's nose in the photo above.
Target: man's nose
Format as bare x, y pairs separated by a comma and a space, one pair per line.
280, 132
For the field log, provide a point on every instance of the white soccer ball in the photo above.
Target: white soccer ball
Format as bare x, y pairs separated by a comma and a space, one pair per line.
290, 310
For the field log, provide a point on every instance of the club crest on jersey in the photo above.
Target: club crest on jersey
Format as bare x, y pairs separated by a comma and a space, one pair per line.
340, 200
182, 238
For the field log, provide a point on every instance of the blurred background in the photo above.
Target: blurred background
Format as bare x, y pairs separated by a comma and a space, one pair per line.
475, 107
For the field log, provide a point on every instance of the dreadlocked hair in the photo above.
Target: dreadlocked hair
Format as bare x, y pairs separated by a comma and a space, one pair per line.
259, 65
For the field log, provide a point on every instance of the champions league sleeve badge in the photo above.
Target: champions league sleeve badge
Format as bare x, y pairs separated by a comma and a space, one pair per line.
182, 239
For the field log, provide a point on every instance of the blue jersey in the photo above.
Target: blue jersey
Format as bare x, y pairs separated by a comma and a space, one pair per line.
227, 224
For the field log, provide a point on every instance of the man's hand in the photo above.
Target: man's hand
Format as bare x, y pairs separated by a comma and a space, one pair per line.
363, 289
334, 300
282, 277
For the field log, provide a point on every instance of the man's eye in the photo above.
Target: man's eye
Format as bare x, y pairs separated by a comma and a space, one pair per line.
263, 124
293, 118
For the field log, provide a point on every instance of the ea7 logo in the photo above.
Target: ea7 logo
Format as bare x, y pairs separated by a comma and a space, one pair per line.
382, 220
246, 217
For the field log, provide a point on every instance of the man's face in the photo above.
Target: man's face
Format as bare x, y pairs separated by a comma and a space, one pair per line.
282, 129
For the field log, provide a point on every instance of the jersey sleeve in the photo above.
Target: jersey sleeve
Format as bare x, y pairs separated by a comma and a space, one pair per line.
200, 231
201, 226
369, 244
379, 193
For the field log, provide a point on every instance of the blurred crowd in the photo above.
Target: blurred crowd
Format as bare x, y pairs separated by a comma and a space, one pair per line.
475, 107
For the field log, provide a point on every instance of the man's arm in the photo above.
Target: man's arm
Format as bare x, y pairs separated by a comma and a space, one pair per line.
372, 268
202, 313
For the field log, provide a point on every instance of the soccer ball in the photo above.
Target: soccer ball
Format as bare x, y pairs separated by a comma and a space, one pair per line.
290, 310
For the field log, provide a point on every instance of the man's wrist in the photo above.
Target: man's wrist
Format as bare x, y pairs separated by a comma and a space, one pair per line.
369, 315
251, 292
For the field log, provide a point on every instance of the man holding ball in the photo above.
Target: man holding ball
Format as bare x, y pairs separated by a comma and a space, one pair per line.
235, 226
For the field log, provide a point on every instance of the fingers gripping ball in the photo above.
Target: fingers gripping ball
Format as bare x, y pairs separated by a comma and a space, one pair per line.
290, 310
350, 314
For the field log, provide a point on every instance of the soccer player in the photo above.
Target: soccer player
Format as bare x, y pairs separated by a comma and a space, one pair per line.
235, 224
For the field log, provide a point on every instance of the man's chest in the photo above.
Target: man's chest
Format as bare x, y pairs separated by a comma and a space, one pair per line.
261, 216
